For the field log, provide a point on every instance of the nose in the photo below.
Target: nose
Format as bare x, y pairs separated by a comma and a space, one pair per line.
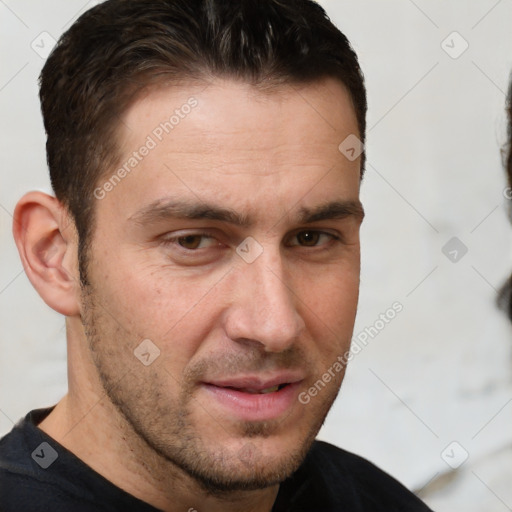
263, 306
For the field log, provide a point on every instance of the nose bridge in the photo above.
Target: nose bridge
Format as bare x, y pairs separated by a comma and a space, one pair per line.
267, 313
271, 289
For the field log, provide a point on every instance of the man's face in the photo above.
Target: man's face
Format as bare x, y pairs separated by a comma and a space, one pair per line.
233, 246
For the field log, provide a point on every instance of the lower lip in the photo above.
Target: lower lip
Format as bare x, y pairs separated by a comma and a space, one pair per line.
255, 407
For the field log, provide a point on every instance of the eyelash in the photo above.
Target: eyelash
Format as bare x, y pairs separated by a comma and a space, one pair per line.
175, 239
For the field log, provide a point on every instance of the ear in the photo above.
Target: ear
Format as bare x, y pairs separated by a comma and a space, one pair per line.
47, 242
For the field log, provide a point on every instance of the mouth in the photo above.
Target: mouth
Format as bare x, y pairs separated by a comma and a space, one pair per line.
253, 398
253, 391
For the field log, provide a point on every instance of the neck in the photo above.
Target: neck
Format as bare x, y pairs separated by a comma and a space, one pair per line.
86, 423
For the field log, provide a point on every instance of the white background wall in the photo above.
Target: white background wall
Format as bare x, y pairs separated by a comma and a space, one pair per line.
440, 372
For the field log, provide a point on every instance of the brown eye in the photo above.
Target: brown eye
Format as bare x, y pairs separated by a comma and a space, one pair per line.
308, 238
312, 238
191, 241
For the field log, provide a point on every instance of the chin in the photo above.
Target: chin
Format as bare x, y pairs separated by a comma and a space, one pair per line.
249, 464
247, 470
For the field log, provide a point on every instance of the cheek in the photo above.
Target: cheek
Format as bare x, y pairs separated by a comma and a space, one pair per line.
329, 306
175, 311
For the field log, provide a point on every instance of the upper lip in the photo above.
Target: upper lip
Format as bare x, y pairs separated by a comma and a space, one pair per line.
257, 382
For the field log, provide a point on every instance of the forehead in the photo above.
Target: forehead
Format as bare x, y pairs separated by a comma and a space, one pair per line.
241, 116
230, 140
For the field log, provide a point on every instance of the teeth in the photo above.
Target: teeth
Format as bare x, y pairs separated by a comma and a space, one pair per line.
269, 390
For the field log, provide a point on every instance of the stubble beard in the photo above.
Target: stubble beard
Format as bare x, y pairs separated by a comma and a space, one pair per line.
161, 428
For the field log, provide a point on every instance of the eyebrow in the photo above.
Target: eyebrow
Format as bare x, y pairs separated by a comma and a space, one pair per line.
167, 209
332, 210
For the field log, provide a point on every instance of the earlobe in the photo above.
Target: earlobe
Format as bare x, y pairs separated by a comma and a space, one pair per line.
47, 243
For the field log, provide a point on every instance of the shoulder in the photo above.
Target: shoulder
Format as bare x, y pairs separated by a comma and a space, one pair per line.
26, 483
37, 474
339, 478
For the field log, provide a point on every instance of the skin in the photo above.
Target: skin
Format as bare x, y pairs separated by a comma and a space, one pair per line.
154, 430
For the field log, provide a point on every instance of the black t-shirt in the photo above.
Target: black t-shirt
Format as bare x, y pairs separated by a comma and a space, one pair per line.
37, 474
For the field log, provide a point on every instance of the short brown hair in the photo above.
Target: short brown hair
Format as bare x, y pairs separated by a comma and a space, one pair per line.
120, 47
